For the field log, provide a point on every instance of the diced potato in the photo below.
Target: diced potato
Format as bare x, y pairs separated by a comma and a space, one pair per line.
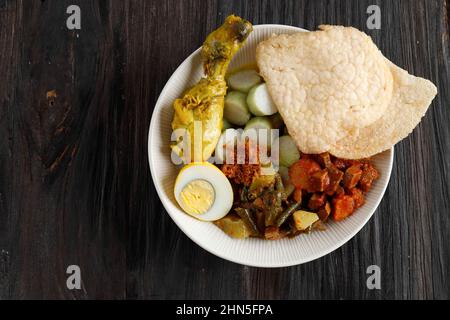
234, 226
304, 219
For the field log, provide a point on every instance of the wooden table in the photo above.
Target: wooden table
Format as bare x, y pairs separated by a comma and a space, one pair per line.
75, 184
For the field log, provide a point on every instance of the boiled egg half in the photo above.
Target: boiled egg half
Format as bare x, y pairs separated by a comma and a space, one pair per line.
203, 191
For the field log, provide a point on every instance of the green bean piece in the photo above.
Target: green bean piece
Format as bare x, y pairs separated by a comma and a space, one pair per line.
287, 213
274, 206
279, 186
279, 183
246, 216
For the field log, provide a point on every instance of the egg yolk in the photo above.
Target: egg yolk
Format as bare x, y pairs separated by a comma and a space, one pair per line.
197, 197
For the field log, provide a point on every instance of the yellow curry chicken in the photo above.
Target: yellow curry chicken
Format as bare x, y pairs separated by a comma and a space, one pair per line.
204, 103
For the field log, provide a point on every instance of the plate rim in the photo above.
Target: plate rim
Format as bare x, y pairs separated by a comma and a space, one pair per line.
237, 260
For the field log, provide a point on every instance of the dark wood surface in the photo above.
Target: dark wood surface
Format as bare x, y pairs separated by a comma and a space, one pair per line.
75, 185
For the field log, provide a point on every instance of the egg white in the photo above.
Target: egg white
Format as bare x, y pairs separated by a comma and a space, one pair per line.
223, 199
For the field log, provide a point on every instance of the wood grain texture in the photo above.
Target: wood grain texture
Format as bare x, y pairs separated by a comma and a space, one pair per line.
75, 185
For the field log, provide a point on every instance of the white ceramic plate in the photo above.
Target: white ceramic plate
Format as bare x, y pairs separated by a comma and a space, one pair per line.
251, 252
